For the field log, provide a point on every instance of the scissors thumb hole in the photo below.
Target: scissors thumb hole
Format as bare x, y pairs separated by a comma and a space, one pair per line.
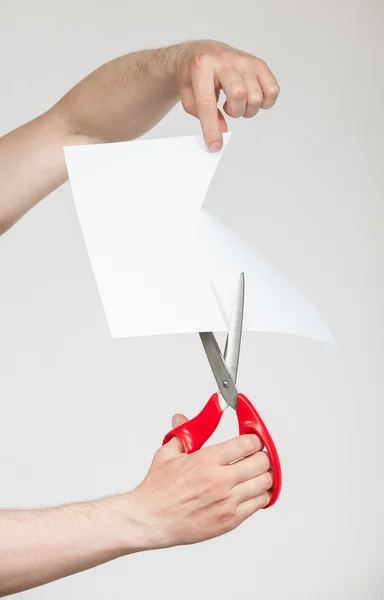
174, 446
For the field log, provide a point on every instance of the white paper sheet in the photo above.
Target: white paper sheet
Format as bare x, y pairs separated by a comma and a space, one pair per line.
164, 264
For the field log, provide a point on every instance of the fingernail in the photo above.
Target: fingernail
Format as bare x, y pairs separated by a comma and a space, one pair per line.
215, 147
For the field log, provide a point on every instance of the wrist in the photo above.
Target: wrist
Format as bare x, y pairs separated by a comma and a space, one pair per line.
132, 529
164, 65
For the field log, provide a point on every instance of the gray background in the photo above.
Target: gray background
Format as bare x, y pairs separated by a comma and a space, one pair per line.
82, 413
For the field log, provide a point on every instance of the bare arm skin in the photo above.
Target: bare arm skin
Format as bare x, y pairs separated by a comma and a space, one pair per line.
184, 499
124, 99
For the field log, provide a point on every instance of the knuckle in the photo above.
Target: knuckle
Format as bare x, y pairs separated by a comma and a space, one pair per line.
227, 516
238, 92
264, 499
255, 99
188, 106
272, 90
263, 461
248, 443
225, 57
260, 63
201, 61
266, 480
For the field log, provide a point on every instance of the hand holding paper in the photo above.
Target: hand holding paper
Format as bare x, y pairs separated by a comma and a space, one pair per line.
206, 67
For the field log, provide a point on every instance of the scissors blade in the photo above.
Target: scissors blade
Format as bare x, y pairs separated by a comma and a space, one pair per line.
222, 375
233, 341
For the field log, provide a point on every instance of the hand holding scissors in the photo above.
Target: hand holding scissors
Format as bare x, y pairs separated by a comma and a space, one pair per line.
198, 430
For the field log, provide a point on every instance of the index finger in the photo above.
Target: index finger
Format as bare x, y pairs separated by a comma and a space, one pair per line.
203, 84
238, 447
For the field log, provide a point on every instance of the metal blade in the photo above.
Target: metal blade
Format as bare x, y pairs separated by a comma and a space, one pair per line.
233, 341
223, 377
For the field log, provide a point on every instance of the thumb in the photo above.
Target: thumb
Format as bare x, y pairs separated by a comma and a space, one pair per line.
174, 446
178, 419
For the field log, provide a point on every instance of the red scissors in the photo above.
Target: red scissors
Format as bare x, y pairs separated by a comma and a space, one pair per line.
197, 431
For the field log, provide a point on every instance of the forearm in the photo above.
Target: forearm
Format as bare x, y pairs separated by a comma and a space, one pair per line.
184, 499
31, 166
39, 546
31, 158
129, 95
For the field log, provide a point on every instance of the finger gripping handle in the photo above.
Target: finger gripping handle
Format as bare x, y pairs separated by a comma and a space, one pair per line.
198, 430
251, 422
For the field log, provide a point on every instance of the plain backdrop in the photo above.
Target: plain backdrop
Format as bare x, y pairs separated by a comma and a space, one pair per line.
82, 414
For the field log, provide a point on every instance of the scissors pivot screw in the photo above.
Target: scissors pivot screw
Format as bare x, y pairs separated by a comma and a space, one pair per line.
225, 384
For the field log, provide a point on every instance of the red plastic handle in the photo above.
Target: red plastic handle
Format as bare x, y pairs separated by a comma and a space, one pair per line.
251, 422
194, 433
198, 430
